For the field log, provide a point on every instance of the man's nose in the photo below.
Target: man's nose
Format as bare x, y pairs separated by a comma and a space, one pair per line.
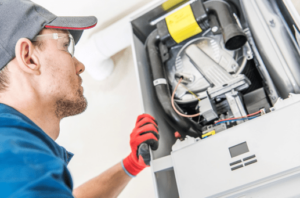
79, 66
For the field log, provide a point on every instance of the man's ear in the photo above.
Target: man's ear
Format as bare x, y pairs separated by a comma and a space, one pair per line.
26, 59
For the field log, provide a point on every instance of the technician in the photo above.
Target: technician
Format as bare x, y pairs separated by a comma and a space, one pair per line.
40, 84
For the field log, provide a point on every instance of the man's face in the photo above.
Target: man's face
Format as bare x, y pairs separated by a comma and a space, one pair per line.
61, 83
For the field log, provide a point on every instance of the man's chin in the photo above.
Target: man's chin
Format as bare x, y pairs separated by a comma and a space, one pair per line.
66, 108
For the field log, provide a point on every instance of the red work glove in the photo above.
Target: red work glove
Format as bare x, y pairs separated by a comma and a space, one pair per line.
145, 131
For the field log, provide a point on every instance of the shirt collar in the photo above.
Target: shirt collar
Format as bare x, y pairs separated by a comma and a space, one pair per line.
69, 157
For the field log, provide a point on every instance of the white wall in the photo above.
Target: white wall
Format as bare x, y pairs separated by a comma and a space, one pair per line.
99, 137
297, 5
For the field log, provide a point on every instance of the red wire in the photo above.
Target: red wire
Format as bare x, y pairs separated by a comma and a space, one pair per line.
240, 117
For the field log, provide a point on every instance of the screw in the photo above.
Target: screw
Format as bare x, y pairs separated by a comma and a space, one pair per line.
272, 23
234, 93
215, 29
233, 66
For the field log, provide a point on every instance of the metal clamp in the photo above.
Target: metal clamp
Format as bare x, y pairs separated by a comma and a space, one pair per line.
160, 81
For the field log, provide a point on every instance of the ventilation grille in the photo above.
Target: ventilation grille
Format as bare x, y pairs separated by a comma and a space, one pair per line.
243, 162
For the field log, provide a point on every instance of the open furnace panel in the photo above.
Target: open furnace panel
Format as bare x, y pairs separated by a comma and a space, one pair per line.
209, 68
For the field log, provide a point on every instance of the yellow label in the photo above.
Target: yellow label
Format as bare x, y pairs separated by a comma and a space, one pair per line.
209, 134
182, 24
171, 3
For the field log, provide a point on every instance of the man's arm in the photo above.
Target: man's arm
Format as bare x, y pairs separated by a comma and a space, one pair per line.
111, 183
108, 184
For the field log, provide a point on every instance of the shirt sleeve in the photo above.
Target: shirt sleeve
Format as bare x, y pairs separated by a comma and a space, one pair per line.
29, 169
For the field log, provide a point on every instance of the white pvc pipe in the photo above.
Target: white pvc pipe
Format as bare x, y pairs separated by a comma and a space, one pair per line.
101, 46
96, 53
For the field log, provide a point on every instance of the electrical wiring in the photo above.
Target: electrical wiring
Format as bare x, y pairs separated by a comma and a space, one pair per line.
234, 120
250, 116
243, 118
191, 92
172, 101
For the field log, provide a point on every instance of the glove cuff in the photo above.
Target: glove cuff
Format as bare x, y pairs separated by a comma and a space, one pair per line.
131, 167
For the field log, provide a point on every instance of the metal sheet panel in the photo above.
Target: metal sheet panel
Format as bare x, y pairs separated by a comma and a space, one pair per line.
203, 168
164, 181
274, 45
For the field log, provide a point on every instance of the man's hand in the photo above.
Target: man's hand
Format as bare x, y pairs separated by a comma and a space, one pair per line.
145, 131
111, 183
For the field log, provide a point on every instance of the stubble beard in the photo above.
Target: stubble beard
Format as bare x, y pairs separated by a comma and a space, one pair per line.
66, 107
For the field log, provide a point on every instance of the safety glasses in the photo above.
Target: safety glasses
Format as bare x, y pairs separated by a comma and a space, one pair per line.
65, 42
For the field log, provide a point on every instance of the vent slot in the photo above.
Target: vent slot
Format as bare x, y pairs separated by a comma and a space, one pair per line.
251, 162
248, 158
237, 167
236, 162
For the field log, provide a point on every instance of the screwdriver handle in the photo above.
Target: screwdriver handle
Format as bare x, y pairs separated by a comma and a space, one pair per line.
145, 153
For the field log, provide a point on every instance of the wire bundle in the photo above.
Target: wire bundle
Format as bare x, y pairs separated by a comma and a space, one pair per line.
173, 105
247, 117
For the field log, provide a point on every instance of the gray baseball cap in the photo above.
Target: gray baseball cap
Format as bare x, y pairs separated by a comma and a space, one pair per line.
25, 19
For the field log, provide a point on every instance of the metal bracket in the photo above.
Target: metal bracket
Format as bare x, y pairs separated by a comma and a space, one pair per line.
162, 164
236, 105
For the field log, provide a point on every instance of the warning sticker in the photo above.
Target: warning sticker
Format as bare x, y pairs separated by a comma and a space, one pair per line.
182, 24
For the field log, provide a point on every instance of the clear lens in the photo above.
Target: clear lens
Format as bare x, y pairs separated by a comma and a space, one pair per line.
65, 42
71, 48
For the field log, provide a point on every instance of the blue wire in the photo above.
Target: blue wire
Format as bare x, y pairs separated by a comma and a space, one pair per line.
236, 120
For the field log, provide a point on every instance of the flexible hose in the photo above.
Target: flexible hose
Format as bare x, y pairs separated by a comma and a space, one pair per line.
184, 126
243, 65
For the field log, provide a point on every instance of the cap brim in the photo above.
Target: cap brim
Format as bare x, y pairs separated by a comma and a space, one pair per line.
75, 25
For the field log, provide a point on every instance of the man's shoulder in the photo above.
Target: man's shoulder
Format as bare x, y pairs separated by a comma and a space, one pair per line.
10, 117
14, 127
19, 133
31, 162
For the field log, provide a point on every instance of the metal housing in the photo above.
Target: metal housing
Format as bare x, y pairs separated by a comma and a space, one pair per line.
202, 167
